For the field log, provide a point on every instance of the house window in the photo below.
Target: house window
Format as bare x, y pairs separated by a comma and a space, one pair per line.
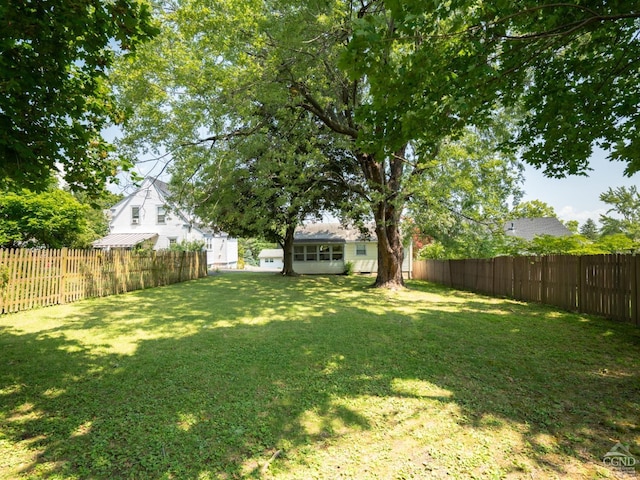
315, 253
268, 260
312, 253
325, 252
361, 249
135, 215
298, 254
173, 241
161, 215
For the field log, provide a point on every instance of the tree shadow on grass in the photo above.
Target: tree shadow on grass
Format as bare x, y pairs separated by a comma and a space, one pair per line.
216, 386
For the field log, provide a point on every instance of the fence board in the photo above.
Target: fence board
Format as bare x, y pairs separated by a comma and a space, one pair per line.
38, 278
605, 285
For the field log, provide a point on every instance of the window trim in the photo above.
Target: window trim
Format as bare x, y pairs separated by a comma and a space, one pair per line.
135, 217
319, 252
162, 215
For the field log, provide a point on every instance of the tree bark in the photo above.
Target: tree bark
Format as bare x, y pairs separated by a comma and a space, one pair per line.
390, 249
386, 206
287, 248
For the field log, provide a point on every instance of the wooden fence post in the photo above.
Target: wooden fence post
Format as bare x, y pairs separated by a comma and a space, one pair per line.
63, 276
635, 290
580, 296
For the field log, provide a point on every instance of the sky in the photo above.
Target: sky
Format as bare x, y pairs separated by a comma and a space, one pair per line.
577, 197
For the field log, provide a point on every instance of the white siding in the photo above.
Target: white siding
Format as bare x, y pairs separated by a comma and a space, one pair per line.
362, 263
147, 200
369, 263
221, 249
326, 267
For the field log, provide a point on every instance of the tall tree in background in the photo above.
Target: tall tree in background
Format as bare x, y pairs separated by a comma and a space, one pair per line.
462, 201
202, 79
625, 202
266, 183
532, 209
589, 230
54, 102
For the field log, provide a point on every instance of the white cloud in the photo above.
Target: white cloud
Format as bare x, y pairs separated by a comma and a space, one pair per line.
568, 212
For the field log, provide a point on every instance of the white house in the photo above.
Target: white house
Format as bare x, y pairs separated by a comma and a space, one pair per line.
326, 248
147, 217
271, 258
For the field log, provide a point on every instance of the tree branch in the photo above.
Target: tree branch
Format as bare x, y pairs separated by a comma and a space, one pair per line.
313, 106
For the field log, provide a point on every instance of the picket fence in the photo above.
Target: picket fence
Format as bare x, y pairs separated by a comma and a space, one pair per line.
605, 285
38, 278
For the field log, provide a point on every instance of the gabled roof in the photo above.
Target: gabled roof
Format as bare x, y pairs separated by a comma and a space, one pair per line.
164, 194
528, 228
271, 253
332, 233
162, 187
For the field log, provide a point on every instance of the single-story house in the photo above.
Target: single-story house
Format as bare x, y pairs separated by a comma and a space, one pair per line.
529, 228
326, 248
271, 258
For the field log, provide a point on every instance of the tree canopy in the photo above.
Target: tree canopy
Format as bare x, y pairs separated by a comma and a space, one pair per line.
267, 183
570, 69
54, 99
51, 219
625, 205
395, 81
532, 209
462, 201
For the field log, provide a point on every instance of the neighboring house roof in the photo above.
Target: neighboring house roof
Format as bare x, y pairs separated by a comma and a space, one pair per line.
271, 253
331, 233
123, 240
528, 228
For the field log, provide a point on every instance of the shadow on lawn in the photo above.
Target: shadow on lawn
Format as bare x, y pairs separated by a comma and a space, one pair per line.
221, 389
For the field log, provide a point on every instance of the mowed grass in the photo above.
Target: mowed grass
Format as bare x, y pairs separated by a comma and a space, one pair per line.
259, 376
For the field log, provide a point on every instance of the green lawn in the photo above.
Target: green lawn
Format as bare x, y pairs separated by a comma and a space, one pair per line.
259, 376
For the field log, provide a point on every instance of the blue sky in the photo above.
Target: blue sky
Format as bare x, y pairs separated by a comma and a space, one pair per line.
577, 197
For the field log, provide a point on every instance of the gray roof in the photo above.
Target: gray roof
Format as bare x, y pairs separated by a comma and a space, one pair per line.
123, 240
271, 253
163, 187
528, 228
332, 233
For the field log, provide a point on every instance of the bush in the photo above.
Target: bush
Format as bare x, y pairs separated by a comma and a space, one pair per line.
348, 268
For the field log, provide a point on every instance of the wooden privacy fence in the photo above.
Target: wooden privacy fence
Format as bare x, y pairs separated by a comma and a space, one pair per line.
38, 278
606, 285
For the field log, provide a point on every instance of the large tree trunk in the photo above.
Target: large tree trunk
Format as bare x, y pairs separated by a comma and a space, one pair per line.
390, 254
386, 183
287, 247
